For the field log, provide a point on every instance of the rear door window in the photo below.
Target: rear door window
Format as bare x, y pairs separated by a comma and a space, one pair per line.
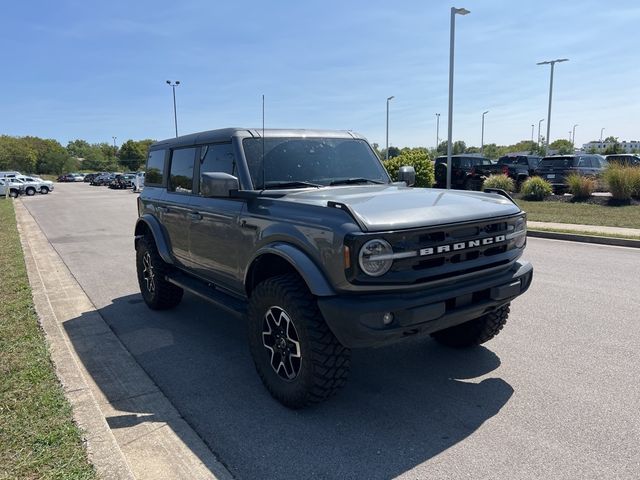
155, 167
181, 171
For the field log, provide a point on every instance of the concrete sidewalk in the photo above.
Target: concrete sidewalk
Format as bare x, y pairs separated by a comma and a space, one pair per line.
131, 429
586, 233
629, 232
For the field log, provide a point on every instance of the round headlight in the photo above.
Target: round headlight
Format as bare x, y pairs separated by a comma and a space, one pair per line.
374, 257
521, 230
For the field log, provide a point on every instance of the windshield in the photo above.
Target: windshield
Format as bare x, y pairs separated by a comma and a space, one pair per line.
307, 162
562, 162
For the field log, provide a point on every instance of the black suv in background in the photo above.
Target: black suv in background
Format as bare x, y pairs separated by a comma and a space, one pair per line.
467, 171
626, 159
304, 232
556, 168
517, 166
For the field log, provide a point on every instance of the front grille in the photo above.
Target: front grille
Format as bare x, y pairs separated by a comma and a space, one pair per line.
467, 252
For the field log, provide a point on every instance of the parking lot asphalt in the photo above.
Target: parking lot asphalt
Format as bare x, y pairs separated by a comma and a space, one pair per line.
555, 395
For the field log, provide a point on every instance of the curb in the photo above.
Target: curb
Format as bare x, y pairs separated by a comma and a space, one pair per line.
132, 431
575, 237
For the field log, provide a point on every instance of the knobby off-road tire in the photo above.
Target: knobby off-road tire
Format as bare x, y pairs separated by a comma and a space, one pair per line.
297, 356
474, 332
157, 293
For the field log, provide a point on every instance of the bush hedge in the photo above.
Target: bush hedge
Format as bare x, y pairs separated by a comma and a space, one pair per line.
581, 186
502, 181
622, 181
536, 188
418, 159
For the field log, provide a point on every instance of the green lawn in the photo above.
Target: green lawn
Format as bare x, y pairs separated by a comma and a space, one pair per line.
582, 213
38, 438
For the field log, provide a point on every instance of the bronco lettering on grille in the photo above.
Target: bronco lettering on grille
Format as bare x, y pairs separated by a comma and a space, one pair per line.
454, 247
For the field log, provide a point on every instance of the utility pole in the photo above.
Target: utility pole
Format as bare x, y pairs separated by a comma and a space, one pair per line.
437, 131
386, 155
175, 115
552, 63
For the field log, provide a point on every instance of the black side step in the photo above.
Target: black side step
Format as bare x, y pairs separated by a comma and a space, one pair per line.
208, 292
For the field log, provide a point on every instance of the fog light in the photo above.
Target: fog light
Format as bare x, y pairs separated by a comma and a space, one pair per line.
387, 318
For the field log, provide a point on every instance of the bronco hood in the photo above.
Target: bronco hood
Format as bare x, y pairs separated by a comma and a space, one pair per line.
393, 207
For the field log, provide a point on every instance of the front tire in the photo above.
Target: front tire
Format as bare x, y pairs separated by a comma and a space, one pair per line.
44, 190
13, 194
297, 356
156, 291
474, 332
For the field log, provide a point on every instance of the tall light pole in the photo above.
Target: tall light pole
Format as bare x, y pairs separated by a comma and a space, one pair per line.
437, 131
532, 128
175, 115
541, 120
482, 134
115, 149
573, 137
601, 130
454, 12
386, 155
552, 63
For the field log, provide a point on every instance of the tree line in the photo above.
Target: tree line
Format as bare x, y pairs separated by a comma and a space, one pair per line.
47, 156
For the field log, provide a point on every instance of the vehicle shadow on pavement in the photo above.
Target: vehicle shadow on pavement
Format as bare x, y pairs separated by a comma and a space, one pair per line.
402, 405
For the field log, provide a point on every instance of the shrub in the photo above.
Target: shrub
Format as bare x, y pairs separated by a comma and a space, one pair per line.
620, 180
503, 182
634, 172
536, 188
581, 186
418, 159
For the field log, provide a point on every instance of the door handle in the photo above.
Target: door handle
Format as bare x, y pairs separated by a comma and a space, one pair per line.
195, 216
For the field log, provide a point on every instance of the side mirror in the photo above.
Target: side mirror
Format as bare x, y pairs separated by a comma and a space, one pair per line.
217, 184
407, 174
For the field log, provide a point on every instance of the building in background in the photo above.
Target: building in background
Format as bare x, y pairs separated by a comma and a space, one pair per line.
626, 147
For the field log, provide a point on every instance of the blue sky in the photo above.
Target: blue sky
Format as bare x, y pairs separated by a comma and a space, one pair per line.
91, 70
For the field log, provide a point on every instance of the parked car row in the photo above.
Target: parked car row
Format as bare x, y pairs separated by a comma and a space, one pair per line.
71, 177
15, 184
468, 172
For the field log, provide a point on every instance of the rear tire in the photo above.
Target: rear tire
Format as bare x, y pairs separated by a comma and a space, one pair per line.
474, 332
30, 191
156, 291
297, 356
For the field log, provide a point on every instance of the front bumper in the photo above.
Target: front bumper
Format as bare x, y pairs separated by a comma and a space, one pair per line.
357, 320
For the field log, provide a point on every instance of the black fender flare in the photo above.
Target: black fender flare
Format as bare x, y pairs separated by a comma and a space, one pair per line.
150, 223
300, 261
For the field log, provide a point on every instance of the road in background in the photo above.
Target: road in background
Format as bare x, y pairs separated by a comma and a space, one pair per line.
555, 395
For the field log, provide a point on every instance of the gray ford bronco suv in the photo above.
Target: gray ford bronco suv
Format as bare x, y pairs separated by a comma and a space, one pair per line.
304, 232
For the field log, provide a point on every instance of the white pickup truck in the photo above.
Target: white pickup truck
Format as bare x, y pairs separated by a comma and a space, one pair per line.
9, 187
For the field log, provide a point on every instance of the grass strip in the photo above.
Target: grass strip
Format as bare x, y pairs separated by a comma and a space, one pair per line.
38, 438
582, 213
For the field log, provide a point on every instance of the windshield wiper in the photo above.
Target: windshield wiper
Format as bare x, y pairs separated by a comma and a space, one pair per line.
293, 184
354, 181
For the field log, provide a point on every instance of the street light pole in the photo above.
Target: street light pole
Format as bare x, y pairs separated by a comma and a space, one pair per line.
573, 137
552, 63
386, 155
175, 115
482, 134
601, 130
437, 131
454, 11
532, 128
541, 120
